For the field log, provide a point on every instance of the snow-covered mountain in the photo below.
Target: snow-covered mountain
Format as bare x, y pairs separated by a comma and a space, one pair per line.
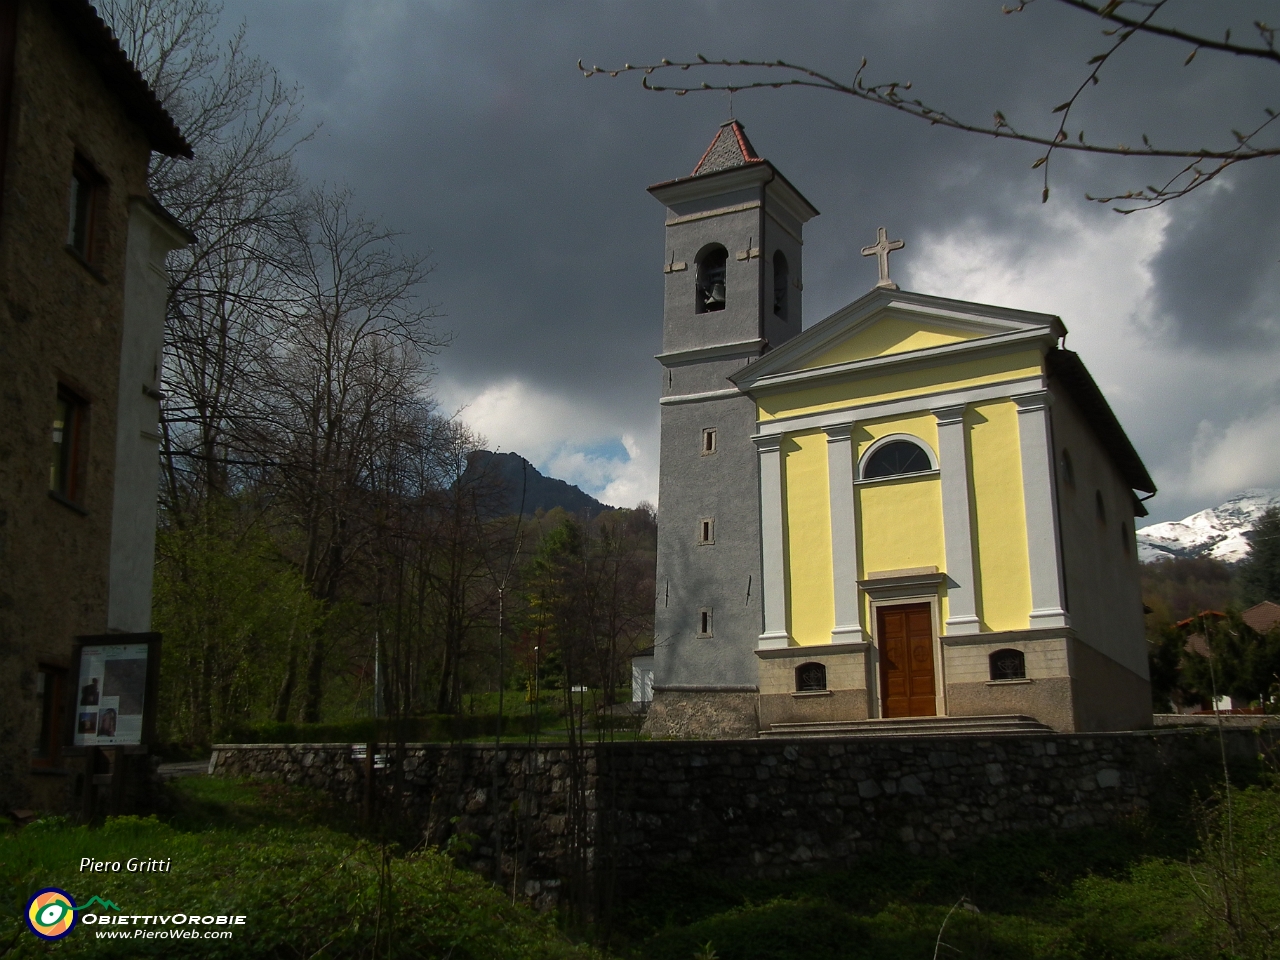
1217, 532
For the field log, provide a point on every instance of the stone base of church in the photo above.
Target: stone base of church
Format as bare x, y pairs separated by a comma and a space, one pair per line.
846, 696
831, 705
1046, 699
702, 714
1106, 695
1069, 685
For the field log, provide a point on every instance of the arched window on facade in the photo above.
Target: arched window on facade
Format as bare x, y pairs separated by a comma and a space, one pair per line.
811, 677
897, 458
781, 281
1008, 665
711, 274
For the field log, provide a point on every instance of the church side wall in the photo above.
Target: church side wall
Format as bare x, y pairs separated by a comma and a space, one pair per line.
1100, 559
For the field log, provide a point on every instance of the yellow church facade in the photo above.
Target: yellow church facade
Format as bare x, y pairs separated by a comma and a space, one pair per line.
947, 510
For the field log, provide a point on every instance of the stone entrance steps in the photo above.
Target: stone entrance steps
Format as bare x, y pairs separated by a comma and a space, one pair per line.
910, 727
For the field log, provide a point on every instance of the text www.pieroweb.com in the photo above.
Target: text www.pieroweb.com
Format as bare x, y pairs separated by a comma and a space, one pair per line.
178, 926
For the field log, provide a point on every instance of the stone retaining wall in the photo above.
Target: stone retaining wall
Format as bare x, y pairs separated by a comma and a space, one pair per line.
755, 808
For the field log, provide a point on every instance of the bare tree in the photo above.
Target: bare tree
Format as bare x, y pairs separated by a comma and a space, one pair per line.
348, 367
239, 194
1126, 18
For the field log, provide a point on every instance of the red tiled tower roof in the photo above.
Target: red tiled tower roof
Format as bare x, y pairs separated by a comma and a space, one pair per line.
729, 149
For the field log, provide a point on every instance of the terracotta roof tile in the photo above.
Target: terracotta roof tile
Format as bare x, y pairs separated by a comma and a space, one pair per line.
100, 46
1263, 616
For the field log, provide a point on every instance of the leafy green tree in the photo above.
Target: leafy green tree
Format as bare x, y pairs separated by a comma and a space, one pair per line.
1164, 657
230, 609
1260, 570
1243, 664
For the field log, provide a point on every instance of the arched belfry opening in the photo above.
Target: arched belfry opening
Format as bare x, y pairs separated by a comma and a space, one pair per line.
781, 281
712, 264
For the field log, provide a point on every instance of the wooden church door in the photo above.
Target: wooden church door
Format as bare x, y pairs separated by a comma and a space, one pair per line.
906, 660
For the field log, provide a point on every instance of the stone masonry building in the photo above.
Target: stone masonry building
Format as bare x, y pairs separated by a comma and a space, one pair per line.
82, 300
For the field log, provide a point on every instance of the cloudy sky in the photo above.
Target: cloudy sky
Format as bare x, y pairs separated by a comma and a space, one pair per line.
466, 125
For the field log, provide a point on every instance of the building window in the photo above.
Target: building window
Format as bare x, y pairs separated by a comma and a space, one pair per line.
1099, 507
87, 190
70, 445
897, 458
811, 677
711, 274
1008, 665
49, 705
708, 441
705, 624
707, 530
1068, 470
781, 279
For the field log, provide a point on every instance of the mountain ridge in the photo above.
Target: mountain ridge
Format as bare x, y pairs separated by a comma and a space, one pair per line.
1217, 532
516, 477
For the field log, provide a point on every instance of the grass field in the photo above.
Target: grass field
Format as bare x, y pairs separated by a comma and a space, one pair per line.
284, 860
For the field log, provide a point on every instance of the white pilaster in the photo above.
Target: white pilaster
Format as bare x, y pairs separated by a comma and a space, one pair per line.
953, 465
772, 548
1039, 496
844, 535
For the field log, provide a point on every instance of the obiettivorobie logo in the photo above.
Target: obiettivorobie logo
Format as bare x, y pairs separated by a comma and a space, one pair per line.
51, 913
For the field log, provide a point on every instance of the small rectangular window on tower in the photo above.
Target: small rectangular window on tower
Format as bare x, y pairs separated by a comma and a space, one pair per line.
707, 530
708, 441
704, 623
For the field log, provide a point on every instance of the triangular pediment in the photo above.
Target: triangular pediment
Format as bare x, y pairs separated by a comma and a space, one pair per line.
887, 324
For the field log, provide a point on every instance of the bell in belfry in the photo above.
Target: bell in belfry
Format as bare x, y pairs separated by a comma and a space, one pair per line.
715, 296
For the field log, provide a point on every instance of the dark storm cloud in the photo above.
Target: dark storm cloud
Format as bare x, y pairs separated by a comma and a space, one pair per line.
466, 125
1218, 279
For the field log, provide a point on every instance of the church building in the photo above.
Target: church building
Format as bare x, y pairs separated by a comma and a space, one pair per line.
916, 508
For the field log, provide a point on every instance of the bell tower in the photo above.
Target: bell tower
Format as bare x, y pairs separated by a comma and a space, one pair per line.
734, 230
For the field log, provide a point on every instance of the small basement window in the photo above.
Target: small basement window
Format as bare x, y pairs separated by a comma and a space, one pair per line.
811, 677
1008, 665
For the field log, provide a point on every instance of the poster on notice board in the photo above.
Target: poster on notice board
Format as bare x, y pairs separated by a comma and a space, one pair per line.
112, 694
